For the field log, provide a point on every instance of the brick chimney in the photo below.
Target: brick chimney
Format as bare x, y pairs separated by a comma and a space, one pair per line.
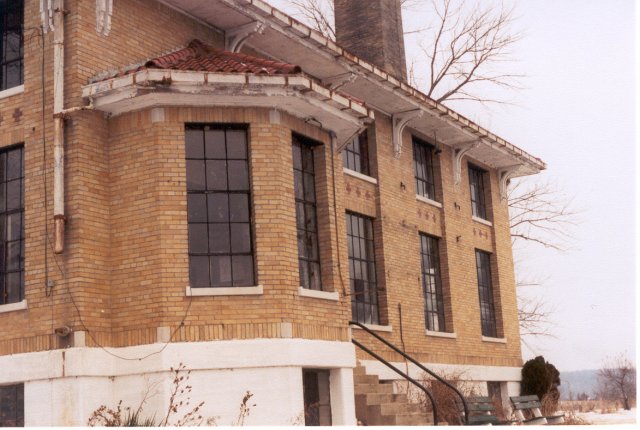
372, 30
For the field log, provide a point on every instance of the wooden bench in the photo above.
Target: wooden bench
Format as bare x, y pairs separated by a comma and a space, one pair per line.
531, 405
482, 411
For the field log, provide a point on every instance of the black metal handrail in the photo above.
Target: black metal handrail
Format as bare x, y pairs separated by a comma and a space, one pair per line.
407, 377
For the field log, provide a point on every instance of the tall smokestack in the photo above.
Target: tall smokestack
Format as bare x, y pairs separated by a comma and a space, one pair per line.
372, 30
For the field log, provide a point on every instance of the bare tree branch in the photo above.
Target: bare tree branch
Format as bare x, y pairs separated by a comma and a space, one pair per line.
539, 214
617, 380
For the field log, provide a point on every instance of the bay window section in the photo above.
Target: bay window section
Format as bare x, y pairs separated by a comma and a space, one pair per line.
219, 207
306, 213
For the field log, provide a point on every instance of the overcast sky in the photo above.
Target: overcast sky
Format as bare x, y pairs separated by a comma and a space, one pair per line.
577, 113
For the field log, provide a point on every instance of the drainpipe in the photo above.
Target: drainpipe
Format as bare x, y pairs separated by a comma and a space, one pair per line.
58, 126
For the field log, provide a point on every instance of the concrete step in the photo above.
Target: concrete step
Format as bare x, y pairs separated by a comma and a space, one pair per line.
379, 398
365, 379
359, 370
373, 388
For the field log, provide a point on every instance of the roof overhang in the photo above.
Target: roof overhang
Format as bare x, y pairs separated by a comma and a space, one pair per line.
296, 95
288, 40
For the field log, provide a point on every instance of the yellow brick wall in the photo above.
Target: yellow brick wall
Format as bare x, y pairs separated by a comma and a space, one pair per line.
125, 269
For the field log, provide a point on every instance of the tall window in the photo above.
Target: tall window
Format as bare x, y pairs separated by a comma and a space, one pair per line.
306, 213
219, 206
431, 283
485, 292
356, 154
11, 225
11, 43
362, 269
476, 188
12, 405
423, 163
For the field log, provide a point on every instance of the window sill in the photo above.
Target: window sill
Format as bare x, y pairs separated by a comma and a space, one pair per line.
18, 306
441, 334
225, 291
482, 221
376, 327
12, 91
360, 175
494, 339
428, 201
325, 295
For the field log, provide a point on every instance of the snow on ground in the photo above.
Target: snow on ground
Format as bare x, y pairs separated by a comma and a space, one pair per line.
620, 417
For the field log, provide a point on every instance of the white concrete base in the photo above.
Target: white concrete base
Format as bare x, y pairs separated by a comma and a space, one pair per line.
64, 387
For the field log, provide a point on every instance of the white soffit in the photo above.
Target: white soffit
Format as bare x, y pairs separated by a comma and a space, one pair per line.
288, 40
297, 95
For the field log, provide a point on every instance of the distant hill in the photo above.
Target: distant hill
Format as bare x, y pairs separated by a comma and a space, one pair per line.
578, 381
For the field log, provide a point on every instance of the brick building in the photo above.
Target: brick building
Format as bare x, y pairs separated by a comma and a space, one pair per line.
214, 184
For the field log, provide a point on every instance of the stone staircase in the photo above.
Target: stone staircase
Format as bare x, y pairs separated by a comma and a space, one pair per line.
378, 405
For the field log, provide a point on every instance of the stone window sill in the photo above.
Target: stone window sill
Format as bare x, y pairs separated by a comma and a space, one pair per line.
225, 291
325, 295
12, 91
10, 307
441, 334
482, 221
376, 327
428, 201
360, 175
494, 339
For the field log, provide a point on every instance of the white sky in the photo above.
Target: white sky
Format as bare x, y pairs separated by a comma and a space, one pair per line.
577, 113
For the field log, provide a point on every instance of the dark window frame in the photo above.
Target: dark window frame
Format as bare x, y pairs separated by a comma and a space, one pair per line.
11, 31
355, 155
432, 283
486, 294
12, 396
12, 225
424, 170
225, 200
304, 178
365, 303
477, 191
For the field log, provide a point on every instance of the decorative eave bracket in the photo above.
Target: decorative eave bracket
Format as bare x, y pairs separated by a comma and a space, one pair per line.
400, 121
337, 81
236, 37
459, 151
104, 10
504, 175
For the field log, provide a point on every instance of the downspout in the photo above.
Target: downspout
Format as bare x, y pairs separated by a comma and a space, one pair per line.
58, 126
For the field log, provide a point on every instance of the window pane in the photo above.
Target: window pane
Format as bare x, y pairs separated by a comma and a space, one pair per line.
239, 207
238, 175
197, 208
194, 147
219, 242
214, 144
243, 270
14, 287
216, 175
198, 239
14, 164
220, 271
218, 207
236, 144
13, 255
362, 268
195, 175
199, 271
240, 238
14, 226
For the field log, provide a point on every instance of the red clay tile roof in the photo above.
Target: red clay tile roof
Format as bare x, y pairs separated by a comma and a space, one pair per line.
199, 57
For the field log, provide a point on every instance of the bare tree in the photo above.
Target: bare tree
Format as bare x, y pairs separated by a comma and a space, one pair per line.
464, 46
461, 47
617, 380
540, 214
